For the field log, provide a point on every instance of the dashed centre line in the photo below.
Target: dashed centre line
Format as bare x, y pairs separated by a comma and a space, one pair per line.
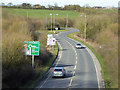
70, 82
75, 63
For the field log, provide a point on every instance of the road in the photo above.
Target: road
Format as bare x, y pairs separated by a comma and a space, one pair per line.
80, 68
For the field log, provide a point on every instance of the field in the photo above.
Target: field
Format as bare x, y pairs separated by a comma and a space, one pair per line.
42, 13
114, 10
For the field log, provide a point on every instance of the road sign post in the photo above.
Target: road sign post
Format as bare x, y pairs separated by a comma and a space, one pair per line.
32, 49
33, 61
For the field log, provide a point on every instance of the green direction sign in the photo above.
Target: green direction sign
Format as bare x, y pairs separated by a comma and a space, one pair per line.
32, 47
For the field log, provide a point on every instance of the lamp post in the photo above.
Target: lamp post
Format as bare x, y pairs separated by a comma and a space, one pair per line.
46, 22
67, 21
84, 29
54, 19
51, 21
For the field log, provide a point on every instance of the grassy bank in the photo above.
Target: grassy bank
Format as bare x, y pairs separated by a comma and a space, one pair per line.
56, 31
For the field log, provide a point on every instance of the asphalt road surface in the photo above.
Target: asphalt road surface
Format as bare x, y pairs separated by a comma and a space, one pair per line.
80, 68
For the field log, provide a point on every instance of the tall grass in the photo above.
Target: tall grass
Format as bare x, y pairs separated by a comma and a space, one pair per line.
17, 70
102, 30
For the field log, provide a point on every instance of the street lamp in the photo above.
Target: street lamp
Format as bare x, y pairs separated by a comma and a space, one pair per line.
27, 15
51, 21
54, 19
85, 29
46, 22
67, 21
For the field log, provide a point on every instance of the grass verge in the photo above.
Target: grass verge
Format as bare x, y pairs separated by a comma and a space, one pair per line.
56, 31
42, 69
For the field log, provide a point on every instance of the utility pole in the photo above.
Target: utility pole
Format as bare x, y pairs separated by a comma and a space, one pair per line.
67, 21
54, 19
27, 15
51, 21
85, 30
46, 22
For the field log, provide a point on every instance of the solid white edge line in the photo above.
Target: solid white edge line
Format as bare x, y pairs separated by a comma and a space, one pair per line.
97, 76
94, 65
60, 54
59, 57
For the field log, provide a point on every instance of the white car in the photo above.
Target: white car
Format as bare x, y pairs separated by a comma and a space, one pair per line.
78, 45
59, 72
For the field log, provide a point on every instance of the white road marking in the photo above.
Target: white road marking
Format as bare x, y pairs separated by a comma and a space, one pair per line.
93, 61
75, 63
97, 76
60, 54
75, 67
93, 57
76, 58
73, 73
59, 57
70, 82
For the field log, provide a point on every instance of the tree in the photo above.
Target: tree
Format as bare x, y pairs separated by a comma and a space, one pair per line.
50, 6
37, 6
26, 5
72, 7
10, 4
2, 4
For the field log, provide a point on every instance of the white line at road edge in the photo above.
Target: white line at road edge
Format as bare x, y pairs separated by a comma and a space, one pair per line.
59, 57
93, 57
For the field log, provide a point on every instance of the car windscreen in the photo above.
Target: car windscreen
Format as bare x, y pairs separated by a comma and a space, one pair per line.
58, 70
79, 44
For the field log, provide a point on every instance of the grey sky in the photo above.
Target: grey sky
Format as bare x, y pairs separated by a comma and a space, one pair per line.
66, 2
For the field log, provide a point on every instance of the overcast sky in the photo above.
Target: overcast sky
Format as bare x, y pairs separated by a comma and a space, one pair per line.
102, 3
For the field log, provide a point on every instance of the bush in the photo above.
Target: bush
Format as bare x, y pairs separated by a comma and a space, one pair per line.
17, 71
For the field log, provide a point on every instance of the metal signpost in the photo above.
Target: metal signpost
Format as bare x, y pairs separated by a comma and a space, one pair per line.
32, 48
